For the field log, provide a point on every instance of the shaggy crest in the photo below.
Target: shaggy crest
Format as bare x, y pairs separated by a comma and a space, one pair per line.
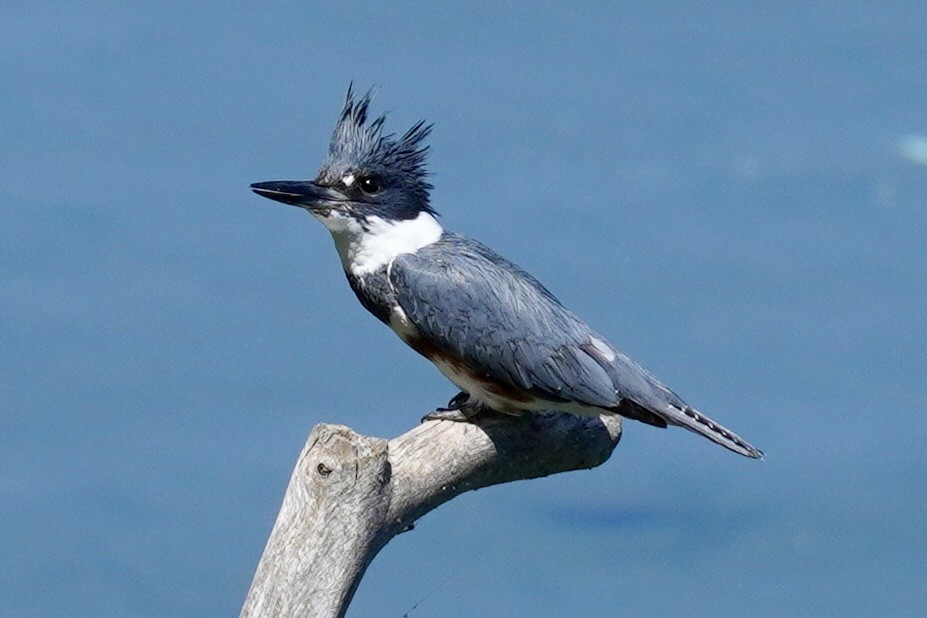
357, 145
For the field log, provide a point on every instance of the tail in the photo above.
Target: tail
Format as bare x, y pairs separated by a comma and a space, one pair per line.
693, 420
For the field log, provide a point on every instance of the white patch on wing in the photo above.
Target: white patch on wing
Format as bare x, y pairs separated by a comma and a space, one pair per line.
401, 325
365, 249
603, 349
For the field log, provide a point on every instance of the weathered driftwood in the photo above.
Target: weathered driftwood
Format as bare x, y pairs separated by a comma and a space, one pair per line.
350, 494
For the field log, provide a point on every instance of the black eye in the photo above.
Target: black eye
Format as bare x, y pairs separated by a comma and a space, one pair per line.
369, 184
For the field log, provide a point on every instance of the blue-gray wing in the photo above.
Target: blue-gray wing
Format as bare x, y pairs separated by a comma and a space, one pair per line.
502, 323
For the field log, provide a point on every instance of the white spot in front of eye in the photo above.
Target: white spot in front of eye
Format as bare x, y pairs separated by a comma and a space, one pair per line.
348, 180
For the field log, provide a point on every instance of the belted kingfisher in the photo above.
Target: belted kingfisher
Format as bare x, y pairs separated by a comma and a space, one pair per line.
489, 326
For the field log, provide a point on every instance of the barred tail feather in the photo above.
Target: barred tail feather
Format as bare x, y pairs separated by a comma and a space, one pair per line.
693, 420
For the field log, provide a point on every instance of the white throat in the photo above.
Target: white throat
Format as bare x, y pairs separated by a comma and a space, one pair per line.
364, 251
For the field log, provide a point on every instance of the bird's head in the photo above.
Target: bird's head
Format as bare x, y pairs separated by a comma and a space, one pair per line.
367, 175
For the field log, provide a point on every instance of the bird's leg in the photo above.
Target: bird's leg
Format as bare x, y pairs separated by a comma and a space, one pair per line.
458, 409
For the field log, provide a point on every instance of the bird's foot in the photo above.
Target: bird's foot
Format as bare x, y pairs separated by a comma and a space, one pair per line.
457, 402
444, 414
458, 409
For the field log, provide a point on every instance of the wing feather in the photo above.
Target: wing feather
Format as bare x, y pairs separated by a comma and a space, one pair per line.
500, 321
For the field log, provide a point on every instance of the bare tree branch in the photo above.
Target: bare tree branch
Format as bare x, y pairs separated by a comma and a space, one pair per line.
350, 494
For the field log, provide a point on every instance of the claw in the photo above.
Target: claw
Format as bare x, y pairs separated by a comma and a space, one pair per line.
457, 401
446, 414
458, 410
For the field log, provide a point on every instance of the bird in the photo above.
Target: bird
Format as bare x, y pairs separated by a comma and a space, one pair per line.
490, 327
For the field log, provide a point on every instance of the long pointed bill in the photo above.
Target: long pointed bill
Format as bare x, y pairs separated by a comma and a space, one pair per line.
296, 193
